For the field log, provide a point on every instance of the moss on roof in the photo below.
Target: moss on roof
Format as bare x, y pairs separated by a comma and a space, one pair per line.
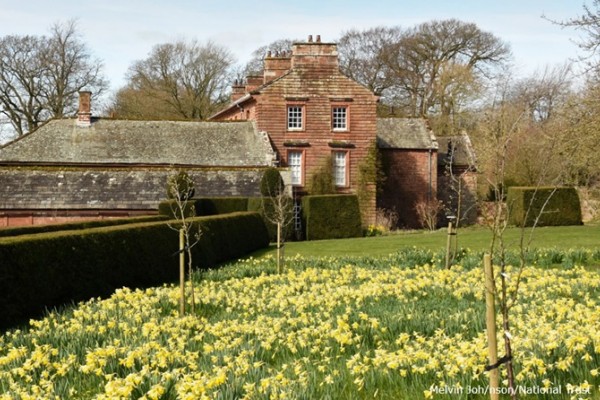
142, 142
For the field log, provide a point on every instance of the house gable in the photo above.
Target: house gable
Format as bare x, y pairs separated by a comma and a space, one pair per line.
333, 115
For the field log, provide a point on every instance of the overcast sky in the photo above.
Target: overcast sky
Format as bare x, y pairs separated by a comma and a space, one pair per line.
120, 32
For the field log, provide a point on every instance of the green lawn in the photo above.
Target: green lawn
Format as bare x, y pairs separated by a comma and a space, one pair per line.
474, 238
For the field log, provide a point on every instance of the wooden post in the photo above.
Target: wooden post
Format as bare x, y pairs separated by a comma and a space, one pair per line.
490, 319
181, 272
279, 247
449, 244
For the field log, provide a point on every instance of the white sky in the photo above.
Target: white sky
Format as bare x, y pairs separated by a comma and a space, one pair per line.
120, 32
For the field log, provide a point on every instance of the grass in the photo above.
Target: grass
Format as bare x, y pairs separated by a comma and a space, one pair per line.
474, 238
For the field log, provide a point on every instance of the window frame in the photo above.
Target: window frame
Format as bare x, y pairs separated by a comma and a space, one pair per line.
346, 166
301, 153
346, 108
302, 119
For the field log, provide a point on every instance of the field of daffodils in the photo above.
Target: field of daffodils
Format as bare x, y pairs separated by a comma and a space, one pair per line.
365, 328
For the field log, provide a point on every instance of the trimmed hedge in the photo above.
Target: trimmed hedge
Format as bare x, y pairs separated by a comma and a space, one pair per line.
204, 206
220, 205
168, 208
562, 208
256, 204
50, 269
70, 226
331, 217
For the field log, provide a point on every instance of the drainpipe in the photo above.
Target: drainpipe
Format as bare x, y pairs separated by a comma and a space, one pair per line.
430, 175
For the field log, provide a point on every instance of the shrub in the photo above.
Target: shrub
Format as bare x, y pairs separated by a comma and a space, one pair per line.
428, 212
205, 206
49, 269
168, 208
331, 216
555, 206
271, 183
322, 181
220, 205
500, 190
388, 219
264, 206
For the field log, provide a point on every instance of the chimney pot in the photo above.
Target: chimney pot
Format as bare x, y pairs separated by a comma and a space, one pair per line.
318, 38
309, 38
269, 54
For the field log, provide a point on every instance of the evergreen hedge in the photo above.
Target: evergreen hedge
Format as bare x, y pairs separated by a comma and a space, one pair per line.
556, 206
168, 208
204, 206
70, 226
49, 269
264, 205
271, 183
220, 205
331, 217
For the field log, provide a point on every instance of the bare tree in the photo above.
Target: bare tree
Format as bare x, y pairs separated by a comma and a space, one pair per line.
589, 24
277, 208
70, 68
500, 130
544, 91
577, 127
459, 197
363, 56
430, 58
186, 79
180, 189
40, 76
256, 64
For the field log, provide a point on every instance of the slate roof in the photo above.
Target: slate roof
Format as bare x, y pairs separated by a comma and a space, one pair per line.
405, 133
142, 142
457, 147
48, 188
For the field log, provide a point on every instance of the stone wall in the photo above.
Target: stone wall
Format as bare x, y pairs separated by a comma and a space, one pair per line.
39, 195
315, 84
411, 178
463, 184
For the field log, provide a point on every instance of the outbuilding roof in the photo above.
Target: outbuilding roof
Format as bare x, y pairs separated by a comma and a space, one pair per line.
405, 133
456, 150
58, 188
126, 142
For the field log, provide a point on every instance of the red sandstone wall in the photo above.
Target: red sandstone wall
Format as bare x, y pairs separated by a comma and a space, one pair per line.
24, 218
316, 83
409, 177
448, 192
318, 94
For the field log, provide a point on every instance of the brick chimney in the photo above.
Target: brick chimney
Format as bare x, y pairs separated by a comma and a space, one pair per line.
315, 54
238, 90
84, 115
276, 64
253, 81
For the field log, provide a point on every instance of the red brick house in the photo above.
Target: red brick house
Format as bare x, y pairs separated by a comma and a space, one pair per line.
302, 113
313, 113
